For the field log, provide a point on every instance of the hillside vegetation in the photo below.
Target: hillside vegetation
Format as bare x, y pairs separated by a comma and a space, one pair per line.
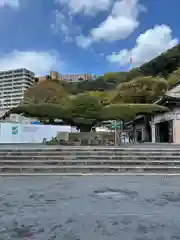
164, 66
113, 96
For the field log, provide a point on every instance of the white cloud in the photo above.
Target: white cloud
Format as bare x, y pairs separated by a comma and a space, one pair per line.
120, 24
114, 29
68, 39
60, 24
38, 62
150, 44
64, 25
10, 3
83, 42
88, 7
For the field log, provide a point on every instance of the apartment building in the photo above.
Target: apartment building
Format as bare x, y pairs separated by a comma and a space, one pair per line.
75, 77
13, 83
71, 77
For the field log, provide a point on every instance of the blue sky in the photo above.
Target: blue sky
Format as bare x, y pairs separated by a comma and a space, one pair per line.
85, 36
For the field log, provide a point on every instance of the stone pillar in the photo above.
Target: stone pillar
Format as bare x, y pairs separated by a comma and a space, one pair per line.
153, 132
176, 131
143, 134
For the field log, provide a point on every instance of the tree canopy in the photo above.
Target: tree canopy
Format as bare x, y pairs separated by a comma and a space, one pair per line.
164, 64
174, 77
46, 91
130, 111
85, 111
141, 90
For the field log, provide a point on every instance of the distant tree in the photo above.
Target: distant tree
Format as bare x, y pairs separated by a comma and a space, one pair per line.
110, 77
141, 90
36, 80
164, 64
174, 77
81, 79
104, 96
98, 85
45, 92
48, 77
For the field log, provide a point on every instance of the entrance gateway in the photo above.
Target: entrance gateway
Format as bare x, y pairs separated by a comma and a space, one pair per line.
162, 127
166, 127
164, 131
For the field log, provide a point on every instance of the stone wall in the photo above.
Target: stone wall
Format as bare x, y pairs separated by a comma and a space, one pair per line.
87, 138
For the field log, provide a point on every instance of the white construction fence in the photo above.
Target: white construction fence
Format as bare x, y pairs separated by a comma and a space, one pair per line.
30, 133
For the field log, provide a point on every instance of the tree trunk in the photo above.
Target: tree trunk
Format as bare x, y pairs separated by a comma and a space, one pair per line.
51, 121
133, 133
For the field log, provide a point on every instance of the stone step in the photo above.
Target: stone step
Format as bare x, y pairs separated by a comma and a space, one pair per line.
2, 153
87, 154
85, 149
21, 174
90, 158
88, 169
88, 162
91, 150
92, 166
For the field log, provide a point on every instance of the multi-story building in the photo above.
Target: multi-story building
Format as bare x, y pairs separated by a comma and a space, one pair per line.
13, 83
76, 77
71, 77
68, 77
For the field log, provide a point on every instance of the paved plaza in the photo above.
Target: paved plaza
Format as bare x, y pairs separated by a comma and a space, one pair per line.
90, 208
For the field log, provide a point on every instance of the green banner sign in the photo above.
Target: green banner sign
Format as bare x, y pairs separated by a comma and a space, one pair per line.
14, 130
115, 125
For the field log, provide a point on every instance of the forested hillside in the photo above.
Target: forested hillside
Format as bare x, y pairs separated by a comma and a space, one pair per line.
165, 66
141, 85
120, 95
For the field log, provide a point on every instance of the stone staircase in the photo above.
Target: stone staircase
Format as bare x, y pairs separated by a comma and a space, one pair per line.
89, 160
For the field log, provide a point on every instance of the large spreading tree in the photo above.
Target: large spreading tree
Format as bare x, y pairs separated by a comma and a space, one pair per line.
84, 111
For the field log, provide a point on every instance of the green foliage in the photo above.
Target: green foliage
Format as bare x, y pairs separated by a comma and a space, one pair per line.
45, 111
45, 92
128, 76
141, 90
86, 111
53, 141
109, 75
164, 64
129, 111
98, 84
101, 83
86, 107
174, 77
104, 96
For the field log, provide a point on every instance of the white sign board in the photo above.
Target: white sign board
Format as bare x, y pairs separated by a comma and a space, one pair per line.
166, 117
30, 133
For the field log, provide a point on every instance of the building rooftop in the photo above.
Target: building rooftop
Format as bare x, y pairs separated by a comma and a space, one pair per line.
16, 69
